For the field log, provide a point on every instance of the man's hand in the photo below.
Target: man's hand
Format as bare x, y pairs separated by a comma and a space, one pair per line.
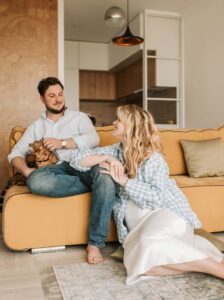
52, 144
55, 144
115, 169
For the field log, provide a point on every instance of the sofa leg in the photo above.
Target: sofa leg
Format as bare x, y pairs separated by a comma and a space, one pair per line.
47, 249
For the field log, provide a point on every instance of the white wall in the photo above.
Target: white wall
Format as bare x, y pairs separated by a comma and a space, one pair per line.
72, 75
204, 63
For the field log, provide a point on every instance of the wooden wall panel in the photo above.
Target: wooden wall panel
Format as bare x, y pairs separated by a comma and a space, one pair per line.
28, 53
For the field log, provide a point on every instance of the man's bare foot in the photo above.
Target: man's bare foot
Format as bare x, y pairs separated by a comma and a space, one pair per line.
94, 255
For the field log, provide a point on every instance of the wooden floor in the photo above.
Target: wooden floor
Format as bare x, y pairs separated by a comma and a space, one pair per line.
19, 271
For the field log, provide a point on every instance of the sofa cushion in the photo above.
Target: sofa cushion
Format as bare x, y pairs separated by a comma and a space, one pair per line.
184, 181
33, 221
172, 147
204, 158
105, 134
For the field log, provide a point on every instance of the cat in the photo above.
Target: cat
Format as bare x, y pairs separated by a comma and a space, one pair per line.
37, 156
40, 155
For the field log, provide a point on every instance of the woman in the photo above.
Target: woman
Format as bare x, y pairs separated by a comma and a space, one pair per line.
154, 221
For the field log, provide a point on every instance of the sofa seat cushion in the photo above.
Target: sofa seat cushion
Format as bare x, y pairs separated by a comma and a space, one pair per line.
32, 221
184, 181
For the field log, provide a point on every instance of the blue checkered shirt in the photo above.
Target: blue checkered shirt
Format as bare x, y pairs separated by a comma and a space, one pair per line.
151, 188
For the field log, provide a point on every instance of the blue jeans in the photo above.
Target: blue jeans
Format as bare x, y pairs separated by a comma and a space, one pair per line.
62, 180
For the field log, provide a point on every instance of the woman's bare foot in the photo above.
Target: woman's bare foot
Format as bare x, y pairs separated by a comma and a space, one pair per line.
94, 255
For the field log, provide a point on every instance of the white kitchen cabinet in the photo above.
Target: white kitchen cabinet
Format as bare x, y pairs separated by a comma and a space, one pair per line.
163, 45
93, 56
163, 35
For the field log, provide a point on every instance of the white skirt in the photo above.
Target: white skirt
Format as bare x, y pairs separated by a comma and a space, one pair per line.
161, 237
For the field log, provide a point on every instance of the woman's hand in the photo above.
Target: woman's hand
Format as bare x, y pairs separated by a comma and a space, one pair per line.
115, 169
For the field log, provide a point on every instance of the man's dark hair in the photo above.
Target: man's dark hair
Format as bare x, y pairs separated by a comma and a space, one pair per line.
46, 82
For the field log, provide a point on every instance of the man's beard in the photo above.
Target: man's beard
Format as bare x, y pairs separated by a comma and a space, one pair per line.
55, 111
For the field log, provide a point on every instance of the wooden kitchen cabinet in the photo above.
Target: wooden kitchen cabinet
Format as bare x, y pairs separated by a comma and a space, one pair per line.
97, 85
129, 79
87, 84
105, 86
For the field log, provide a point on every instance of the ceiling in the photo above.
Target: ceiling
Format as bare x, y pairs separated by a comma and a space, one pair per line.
84, 19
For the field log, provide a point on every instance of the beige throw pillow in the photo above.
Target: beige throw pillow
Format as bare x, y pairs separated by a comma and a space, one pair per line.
204, 158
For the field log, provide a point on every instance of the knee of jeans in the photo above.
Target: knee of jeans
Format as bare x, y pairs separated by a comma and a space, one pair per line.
40, 184
103, 179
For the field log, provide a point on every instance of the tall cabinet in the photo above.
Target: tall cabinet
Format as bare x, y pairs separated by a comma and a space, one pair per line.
163, 46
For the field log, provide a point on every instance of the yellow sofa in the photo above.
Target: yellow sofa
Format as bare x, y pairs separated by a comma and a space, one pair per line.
31, 221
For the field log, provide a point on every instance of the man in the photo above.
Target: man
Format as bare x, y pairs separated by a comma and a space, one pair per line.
63, 131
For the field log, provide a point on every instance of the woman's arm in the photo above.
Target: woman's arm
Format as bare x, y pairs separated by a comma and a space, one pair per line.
92, 160
84, 159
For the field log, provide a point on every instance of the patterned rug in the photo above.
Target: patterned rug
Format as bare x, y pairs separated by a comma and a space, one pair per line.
49, 284
106, 281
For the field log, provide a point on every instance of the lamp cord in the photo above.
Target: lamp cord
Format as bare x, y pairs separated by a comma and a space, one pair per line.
127, 12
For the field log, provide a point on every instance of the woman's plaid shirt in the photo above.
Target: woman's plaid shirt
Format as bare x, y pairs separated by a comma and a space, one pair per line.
151, 188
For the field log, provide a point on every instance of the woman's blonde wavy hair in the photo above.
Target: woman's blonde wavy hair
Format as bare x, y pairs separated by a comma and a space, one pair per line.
141, 137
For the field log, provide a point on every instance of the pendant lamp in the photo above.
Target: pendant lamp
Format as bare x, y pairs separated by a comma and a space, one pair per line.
127, 39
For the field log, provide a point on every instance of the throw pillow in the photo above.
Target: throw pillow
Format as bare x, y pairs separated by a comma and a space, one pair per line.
204, 158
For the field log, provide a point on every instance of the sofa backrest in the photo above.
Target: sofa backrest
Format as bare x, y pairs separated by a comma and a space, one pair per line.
172, 148
105, 134
170, 140
15, 135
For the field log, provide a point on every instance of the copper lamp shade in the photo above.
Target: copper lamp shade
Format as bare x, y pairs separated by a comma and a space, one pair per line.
127, 39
